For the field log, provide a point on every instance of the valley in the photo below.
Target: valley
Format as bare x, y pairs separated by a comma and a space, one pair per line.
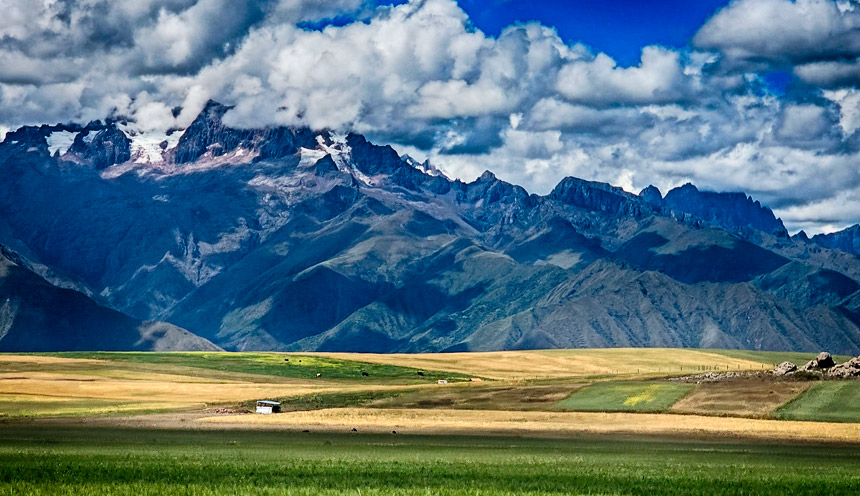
666, 382
546, 422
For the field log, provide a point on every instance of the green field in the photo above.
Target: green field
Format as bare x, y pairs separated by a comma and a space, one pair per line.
837, 401
274, 364
625, 397
111, 383
67, 428
86, 461
775, 357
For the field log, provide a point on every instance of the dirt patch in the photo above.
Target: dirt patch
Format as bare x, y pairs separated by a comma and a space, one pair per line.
474, 396
746, 397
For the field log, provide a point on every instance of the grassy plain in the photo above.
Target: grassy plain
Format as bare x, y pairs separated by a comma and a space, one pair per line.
81, 384
88, 424
514, 365
541, 423
625, 397
115, 383
83, 462
837, 401
293, 366
775, 357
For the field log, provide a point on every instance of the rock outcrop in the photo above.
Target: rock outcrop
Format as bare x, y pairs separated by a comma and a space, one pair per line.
820, 363
846, 370
822, 366
784, 368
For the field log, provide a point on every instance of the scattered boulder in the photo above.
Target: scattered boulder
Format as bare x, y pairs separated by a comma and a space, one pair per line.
784, 368
847, 370
717, 376
823, 361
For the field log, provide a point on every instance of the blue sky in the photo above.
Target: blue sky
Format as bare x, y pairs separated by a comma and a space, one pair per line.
619, 28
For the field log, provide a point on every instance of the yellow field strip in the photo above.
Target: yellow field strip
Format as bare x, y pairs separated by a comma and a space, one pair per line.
144, 390
412, 421
45, 360
561, 363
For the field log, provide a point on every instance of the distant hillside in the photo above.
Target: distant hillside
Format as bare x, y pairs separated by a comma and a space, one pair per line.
294, 239
38, 316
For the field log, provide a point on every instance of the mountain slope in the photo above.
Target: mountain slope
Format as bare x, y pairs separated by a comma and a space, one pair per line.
294, 239
38, 316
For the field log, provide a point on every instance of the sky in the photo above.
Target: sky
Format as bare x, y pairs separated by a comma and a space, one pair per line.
761, 96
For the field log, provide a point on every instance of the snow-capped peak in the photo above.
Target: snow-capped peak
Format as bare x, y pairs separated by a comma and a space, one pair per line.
60, 141
149, 147
337, 146
425, 167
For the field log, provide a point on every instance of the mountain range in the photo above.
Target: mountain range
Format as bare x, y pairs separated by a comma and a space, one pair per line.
114, 237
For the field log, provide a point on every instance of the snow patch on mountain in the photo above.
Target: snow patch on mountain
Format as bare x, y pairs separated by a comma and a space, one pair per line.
341, 154
149, 147
60, 141
239, 156
426, 167
308, 157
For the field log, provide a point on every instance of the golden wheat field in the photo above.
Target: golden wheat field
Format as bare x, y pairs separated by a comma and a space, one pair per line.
34, 385
555, 393
420, 421
506, 365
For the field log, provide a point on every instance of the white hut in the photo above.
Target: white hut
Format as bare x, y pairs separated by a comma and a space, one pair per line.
266, 407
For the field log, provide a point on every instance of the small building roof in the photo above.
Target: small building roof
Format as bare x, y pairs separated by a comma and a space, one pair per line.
269, 402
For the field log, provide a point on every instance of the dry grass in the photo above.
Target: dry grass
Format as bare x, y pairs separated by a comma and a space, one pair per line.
168, 392
418, 421
745, 398
484, 396
32, 385
564, 363
64, 386
41, 360
17, 365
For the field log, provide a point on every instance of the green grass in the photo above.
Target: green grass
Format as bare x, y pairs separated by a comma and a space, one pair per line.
89, 461
625, 397
83, 406
775, 357
318, 401
276, 364
831, 401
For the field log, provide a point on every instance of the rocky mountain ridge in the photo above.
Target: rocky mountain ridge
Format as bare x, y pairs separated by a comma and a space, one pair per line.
294, 239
